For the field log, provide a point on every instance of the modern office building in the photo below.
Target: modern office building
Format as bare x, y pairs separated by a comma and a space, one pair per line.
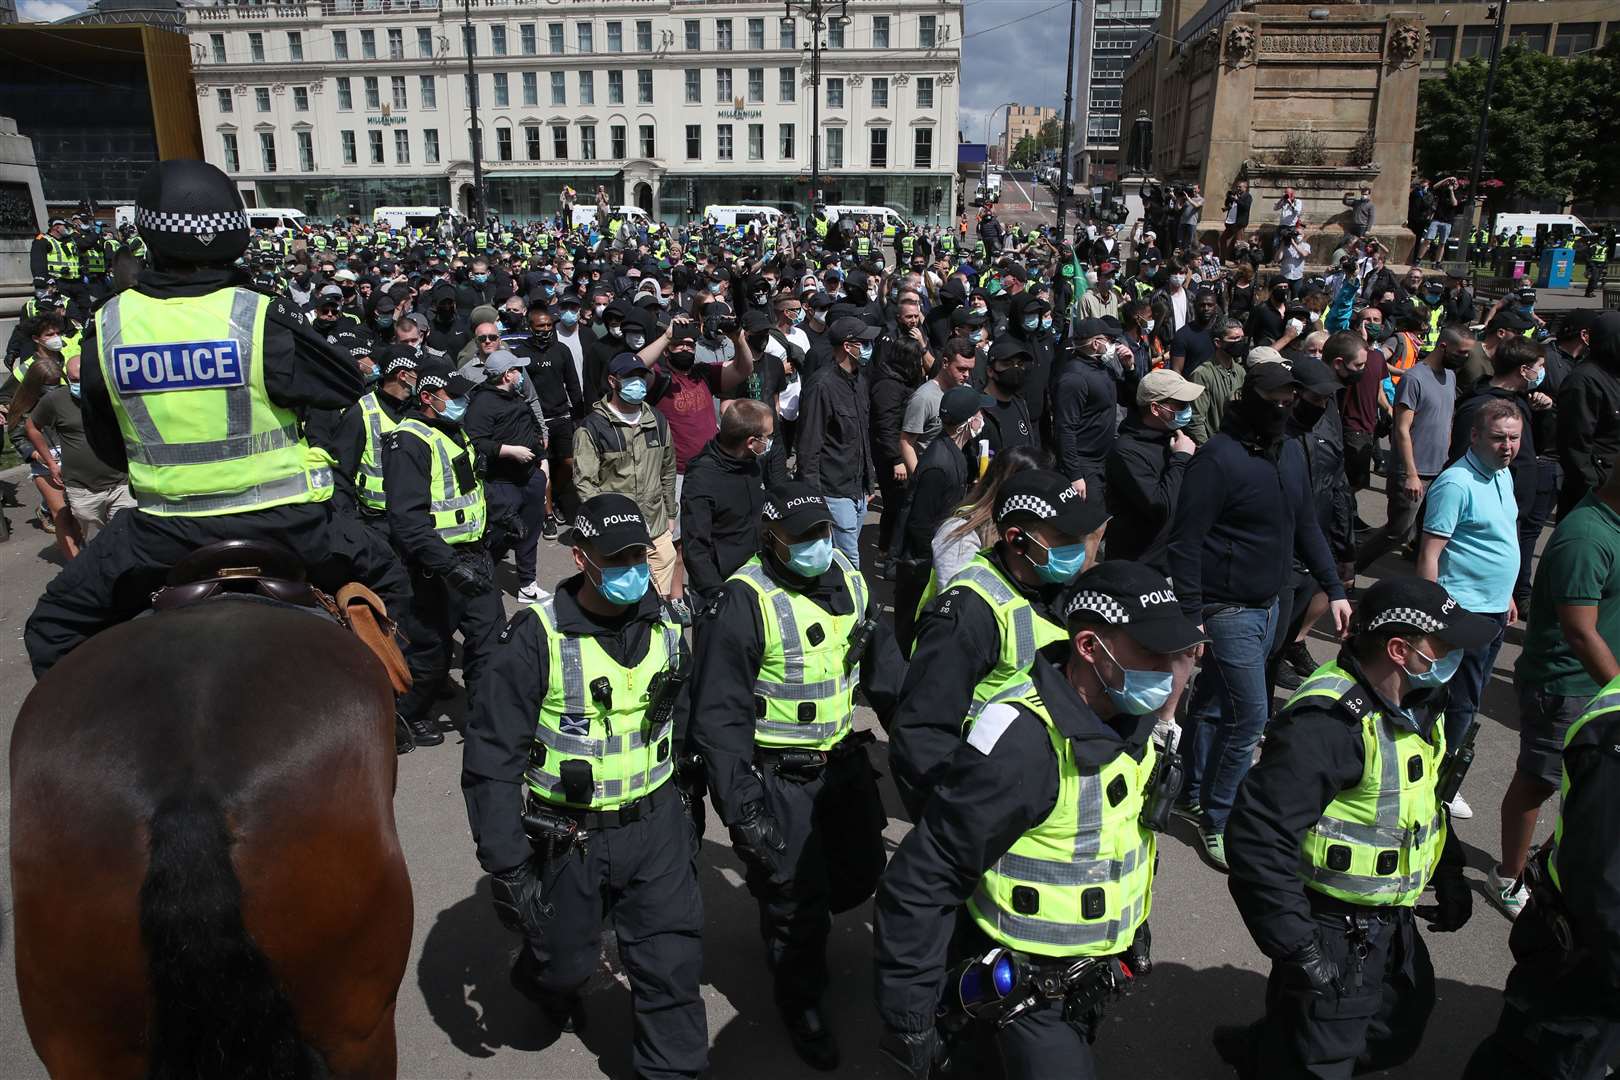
1111, 31
340, 106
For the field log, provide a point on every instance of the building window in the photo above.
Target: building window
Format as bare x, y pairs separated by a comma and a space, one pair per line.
615, 37
1476, 41
469, 86
295, 47
559, 88
756, 85
503, 143
694, 35
402, 147
643, 35
559, 141
216, 44
376, 141
644, 86
424, 43
430, 145
223, 97
345, 95
368, 44
586, 45
722, 142
1530, 37
373, 96
531, 88
554, 38
615, 88
350, 154
880, 93
267, 150
396, 44
756, 142
925, 93
835, 34
256, 48
1575, 38
880, 31
787, 84
233, 161
616, 147
787, 34
428, 93
300, 99
340, 44
531, 141
923, 149
756, 33
926, 32
527, 39
835, 93
649, 148
587, 88
261, 98
469, 40
397, 86
722, 85
694, 86
587, 142
694, 142
503, 97
784, 141
834, 144
722, 34
1439, 47
879, 157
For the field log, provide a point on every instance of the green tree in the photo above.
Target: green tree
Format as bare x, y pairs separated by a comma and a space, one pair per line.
1024, 153
1051, 135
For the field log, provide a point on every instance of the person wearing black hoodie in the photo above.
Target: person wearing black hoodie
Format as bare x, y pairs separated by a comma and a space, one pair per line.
1145, 469
448, 329
723, 495
899, 372
1085, 407
1024, 314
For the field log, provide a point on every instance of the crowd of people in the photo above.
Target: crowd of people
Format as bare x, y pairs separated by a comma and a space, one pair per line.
1116, 496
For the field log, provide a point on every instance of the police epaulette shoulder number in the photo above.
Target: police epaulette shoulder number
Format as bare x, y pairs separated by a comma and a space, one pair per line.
1356, 703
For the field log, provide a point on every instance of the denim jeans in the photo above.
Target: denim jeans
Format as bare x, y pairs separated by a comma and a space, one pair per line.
1229, 707
847, 516
1468, 685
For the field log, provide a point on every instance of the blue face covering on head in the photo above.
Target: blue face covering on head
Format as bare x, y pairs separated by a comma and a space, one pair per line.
1063, 564
1141, 692
633, 390
455, 409
866, 352
624, 584
1440, 671
569, 316
811, 557
1183, 417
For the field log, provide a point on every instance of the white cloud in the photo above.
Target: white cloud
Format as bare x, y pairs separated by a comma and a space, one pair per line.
1022, 62
47, 10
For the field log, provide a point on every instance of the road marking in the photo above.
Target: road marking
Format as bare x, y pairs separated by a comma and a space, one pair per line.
1029, 199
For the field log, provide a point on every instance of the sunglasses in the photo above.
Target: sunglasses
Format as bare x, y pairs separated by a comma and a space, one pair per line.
489, 337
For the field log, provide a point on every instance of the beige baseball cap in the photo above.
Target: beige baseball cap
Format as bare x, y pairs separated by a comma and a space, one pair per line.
1165, 385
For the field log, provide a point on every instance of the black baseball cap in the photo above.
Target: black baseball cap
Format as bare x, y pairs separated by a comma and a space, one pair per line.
1270, 377
1313, 374
797, 506
1004, 347
1510, 319
609, 523
960, 402
1421, 606
625, 363
754, 320
1090, 328
1043, 496
850, 328
1128, 594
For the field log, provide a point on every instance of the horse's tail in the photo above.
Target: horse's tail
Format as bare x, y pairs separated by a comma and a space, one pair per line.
217, 1009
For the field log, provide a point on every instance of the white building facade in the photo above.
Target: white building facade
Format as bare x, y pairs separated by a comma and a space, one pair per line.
339, 106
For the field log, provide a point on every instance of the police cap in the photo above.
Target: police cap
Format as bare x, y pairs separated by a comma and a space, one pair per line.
609, 523
189, 211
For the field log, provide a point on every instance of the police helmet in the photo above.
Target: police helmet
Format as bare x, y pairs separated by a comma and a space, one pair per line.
190, 211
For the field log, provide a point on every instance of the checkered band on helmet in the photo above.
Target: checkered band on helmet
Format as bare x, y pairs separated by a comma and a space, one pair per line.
1110, 610
190, 224
1405, 616
400, 363
583, 527
1028, 504
433, 382
771, 513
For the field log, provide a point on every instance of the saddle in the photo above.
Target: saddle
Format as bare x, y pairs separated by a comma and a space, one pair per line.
266, 570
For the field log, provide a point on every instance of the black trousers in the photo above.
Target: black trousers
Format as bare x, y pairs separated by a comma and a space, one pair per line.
115, 575
1360, 447
894, 496
643, 877
436, 612
1533, 517
560, 452
833, 825
527, 503
1376, 1021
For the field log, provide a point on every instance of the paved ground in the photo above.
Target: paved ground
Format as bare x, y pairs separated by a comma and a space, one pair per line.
458, 1018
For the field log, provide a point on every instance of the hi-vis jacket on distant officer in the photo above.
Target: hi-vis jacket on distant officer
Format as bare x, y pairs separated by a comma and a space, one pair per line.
195, 389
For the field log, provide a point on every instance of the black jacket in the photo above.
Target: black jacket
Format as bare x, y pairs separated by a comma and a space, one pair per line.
556, 383
935, 491
497, 417
834, 440
891, 389
721, 500
1143, 483
1323, 445
1043, 352
1085, 415
407, 477
1588, 863
1588, 430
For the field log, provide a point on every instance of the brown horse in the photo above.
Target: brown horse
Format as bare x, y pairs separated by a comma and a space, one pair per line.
207, 876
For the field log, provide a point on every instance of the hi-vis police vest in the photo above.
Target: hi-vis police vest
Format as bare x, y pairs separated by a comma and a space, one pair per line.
378, 424
1378, 842
863, 245
186, 378
61, 258
1079, 883
455, 494
1023, 630
627, 758
803, 694
1595, 728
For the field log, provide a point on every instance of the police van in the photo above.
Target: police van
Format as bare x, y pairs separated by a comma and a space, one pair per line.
1558, 225
586, 215
729, 217
269, 217
401, 218
879, 216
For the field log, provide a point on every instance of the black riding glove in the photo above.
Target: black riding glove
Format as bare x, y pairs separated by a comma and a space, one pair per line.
517, 898
917, 1052
1309, 972
759, 843
692, 780
1453, 903
1139, 955
467, 576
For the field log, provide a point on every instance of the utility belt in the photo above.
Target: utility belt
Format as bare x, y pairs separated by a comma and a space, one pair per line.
804, 764
1546, 907
1359, 926
548, 824
1004, 984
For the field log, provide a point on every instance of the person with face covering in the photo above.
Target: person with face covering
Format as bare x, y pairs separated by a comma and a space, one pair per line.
1245, 500
448, 329
1085, 406
513, 442
1007, 423
835, 435
1589, 414
1029, 319
779, 654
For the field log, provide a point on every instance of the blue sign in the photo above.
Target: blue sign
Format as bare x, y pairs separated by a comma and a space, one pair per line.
178, 365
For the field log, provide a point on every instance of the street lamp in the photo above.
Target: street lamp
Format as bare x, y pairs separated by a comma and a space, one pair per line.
820, 14
468, 43
1498, 12
1068, 100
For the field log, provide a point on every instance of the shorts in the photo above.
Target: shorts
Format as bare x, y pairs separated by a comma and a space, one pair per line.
1544, 720
1438, 230
661, 561
675, 522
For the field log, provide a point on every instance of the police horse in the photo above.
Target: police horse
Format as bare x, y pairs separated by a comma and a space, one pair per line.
206, 873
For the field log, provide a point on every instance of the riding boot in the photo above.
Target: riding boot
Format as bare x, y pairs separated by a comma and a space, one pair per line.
812, 1039
421, 731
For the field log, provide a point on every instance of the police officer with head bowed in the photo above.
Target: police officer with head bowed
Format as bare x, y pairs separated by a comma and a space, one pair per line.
1337, 832
779, 655
569, 756
196, 390
1018, 907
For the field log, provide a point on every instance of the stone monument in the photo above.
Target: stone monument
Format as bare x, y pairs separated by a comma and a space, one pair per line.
22, 214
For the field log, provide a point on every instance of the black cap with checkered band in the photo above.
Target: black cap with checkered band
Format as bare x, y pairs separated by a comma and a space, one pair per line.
1037, 496
190, 212
1415, 605
609, 523
796, 508
1135, 598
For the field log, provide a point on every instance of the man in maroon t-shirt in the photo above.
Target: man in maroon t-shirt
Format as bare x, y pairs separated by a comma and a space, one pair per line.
1363, 403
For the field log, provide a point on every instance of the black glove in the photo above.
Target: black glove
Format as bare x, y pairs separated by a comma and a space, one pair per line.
917, 1052
517, 898
1453, 903
692, 780
759, 843
1139, 955
516, 530
467, 576
1309, 972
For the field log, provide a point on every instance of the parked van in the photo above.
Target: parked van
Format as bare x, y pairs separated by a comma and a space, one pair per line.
1557, 224
728, 217
586, 215
268, 217
881, 216
412, 217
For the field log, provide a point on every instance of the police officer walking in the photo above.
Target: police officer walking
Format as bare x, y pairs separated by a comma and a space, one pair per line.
437, 517
1043, 826
976, 641
196, 392
569, 756
1336, 833
779, 655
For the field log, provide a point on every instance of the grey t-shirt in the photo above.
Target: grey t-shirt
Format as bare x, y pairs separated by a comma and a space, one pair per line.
1432, 399
922, 414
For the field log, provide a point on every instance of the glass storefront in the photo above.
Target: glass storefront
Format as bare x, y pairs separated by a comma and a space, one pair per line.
346, 197
530, 198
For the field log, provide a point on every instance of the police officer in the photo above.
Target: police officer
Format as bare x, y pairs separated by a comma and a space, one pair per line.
975, 643
195, 391
1337, 832
54, 254
1561, 1014
574, 742
779, 654
360, 433
437, 518
1042, 826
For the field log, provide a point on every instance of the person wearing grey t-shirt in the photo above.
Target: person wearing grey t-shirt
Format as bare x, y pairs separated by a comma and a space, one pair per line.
921, 421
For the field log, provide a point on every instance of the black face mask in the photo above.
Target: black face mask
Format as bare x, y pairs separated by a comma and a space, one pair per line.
1265, 418
1011, 378
544, 338
511, 318
445, 314
857, 296
1455, 361
324, 325
1237, 350
1306, 415
682, 360
1351, 376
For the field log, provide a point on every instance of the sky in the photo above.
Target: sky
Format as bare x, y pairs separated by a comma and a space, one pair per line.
47, 10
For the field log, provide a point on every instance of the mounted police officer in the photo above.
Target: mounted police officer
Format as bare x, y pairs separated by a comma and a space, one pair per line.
1033, 862
1337, 832
567, 768
780, 653
196, 391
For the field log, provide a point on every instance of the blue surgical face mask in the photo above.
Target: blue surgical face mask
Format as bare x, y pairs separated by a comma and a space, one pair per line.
1541, 374
1183, 417
810, 558
714, 287
633, 390
75, 389
1032, 322
866, 353
480, 278
1140, 692
798, 317
454, 409
1440, 671
570, 316
384, 322
1046, 322
374, 375
624, 584
1063, 564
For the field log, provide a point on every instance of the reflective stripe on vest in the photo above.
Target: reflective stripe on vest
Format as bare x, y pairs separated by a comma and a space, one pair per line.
626, 763
197, 449
1606, 701
1024, 632
377, 424
61, 259
458, 516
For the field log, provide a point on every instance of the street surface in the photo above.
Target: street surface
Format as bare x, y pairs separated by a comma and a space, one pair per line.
459, 1018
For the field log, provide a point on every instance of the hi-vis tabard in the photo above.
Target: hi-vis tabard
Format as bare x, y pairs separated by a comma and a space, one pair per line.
803, 697
1023, 631
1595, 728
377, 424
1080, 882
186, 379
455, 494
609, 733
1378, 842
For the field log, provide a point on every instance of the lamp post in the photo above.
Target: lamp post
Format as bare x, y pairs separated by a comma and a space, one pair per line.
1498, 12
1068, 103
820, 14
469, 44
984, 176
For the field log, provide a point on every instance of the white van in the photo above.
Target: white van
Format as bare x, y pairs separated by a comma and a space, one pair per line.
729, 217
1559, 224
882, 216
412, 217
268, 217
586, 214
